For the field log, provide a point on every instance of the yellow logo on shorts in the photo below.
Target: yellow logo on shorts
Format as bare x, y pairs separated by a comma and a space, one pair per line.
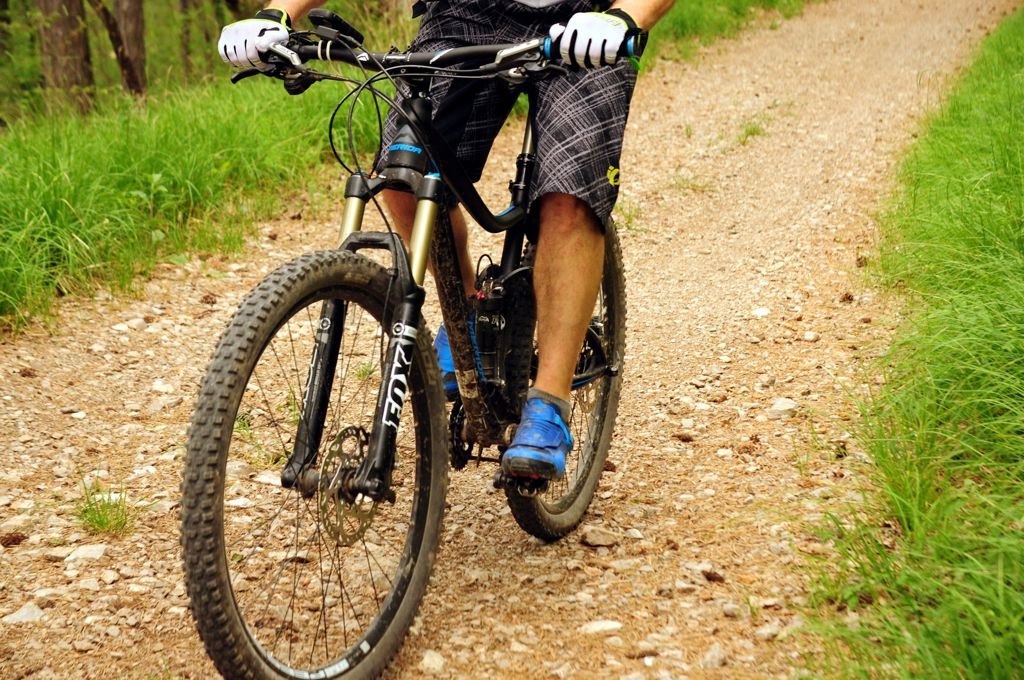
613, 175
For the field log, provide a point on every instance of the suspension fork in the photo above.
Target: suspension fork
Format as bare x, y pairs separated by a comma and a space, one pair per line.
323, 363
373, 478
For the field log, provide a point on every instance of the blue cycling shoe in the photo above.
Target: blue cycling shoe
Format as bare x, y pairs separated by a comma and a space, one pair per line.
447, 364
540, 445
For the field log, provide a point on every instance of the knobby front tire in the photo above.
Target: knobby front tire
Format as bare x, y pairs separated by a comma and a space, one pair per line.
554, 513
283, 586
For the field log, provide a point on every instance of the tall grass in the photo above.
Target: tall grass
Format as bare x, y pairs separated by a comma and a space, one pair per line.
100, 199
946, 579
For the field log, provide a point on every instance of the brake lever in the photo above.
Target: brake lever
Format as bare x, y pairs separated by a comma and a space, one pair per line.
520, 52
280, 50
530, 71
273, 70
242, 75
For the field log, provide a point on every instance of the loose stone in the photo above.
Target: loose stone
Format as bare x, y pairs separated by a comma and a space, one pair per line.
432, 662
714, 657
89, 584
782, 408
731, 610
87, 552
83, 645
598, 537
162, 386
29, 613
601, 626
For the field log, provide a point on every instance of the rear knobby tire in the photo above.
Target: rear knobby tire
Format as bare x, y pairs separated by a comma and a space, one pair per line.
554, 513
282, 586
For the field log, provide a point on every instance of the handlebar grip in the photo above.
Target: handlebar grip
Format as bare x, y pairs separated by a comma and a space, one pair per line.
550, 49
632, 47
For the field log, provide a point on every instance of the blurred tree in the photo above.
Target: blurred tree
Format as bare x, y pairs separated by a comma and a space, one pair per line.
131, 76
132, 24
5, 24
185, 7
64, 45
243, 9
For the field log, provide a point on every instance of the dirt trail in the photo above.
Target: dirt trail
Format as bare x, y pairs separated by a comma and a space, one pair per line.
751, 177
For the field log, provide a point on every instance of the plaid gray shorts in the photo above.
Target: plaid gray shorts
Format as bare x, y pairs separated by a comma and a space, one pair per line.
580, 117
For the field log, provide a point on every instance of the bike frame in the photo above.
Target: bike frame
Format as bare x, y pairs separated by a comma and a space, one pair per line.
418, 162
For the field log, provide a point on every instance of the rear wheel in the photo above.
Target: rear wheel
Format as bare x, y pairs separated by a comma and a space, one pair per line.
595, 403
290, 584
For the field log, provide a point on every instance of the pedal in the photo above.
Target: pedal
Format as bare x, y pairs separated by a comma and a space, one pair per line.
500, 479
524, 486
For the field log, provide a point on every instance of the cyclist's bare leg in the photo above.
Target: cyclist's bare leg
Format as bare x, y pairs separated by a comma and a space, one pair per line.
402, 207
566, 278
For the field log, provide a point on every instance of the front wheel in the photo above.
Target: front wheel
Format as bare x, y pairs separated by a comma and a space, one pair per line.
595, 403
303, 582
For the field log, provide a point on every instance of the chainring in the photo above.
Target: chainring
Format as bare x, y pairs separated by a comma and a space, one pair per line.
459, 450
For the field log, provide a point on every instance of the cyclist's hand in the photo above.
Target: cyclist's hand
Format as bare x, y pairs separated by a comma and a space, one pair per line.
242, 42
591, 39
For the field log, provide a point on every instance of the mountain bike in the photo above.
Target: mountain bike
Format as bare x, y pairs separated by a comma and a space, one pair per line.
317, 462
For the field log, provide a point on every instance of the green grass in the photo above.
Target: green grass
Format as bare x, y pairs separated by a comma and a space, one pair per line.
937, 573
365, 371
689, 183
99, 200
754, 127
628, 215
105, 512
698, 22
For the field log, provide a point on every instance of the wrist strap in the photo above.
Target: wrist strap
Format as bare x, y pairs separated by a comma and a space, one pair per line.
630, 22
636, 36
278, 16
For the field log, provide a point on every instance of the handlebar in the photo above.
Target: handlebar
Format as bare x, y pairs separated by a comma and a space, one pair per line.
337, 41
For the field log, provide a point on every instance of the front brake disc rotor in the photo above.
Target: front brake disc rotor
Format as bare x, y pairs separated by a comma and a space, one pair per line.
345, 520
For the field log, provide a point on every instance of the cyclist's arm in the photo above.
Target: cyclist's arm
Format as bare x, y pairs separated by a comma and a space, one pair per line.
645, 13
295, 9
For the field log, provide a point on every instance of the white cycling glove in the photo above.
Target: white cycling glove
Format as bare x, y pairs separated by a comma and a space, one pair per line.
592, 39
241, 42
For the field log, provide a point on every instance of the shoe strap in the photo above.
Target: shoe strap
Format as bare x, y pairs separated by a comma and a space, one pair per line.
547, 417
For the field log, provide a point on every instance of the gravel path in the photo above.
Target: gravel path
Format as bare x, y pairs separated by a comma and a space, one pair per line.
751, 178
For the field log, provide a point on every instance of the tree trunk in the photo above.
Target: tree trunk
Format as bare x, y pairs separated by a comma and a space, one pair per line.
129, 75
237, 8
131, 21
64, 45
5, 25
185, 9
